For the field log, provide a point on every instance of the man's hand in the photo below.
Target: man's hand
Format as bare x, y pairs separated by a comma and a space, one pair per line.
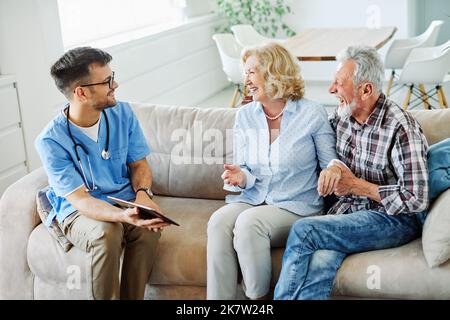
131, 216
141, 175
328, 180
234, 176
143, 199
347, 183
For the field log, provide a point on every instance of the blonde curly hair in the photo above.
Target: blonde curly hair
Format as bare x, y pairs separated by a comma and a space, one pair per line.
280, 70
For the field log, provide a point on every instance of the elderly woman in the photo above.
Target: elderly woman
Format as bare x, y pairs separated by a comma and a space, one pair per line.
280, 140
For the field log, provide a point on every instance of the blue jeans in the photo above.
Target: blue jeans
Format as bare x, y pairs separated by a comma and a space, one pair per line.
316, 247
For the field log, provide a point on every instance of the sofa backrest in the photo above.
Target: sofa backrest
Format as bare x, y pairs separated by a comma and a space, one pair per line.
189, 147
435, 124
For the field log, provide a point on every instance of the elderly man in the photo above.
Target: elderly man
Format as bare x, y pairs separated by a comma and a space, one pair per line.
381, 181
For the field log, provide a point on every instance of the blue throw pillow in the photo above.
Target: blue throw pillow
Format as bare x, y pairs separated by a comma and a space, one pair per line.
439, 168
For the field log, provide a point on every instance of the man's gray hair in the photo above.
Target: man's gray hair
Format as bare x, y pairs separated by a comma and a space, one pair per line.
369, 66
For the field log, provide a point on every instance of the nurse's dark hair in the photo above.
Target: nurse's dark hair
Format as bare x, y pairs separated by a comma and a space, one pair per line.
74, 67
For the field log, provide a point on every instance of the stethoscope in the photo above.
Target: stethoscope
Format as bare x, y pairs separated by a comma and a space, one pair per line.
105, 152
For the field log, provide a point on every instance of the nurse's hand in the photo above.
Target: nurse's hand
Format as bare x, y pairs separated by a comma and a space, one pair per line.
328, 180
234, 176
143, 199
131, 216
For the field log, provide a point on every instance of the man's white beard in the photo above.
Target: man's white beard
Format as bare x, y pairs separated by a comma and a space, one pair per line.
346, 111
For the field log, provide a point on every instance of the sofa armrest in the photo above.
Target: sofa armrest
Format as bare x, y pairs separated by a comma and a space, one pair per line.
18, 218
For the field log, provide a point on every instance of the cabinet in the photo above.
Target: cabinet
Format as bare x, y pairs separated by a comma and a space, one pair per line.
13, 159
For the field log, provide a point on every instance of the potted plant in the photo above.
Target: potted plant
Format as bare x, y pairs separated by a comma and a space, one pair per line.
266, 16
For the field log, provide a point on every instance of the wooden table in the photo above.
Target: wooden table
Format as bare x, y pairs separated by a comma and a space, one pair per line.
323, 44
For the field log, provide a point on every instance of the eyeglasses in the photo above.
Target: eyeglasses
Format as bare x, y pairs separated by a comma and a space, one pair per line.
110, 82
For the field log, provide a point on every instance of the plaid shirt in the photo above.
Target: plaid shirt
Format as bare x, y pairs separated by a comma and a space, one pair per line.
390, 150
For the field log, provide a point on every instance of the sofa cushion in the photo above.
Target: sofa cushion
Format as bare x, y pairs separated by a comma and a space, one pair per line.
435, 124
436, 231
189, 147
403, 274
181, 253
43, 208
181, 260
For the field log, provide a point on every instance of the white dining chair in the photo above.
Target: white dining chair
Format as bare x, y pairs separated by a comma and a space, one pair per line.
401, 48
426, 66
247, 36
230, 52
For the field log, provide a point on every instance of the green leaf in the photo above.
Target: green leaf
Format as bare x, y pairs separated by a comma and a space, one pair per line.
279, 11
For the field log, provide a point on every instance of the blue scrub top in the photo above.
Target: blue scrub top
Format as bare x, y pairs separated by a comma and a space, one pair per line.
127, 144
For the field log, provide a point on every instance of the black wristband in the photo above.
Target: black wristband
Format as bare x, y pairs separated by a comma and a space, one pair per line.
147, 191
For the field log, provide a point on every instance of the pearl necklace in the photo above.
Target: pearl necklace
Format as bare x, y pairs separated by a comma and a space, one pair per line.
275, 117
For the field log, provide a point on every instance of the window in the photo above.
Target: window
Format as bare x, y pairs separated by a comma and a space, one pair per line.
87, 21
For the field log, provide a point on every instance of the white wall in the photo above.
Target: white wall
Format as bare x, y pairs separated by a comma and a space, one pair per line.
349, 13
176, 67
179, 66
29, 42
430, 10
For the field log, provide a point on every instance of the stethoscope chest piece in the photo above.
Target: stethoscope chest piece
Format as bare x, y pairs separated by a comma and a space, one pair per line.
105, 154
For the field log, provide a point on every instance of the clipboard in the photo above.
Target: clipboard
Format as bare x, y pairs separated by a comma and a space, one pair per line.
144, 212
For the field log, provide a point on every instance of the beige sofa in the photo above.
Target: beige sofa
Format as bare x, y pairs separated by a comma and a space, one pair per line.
33, 265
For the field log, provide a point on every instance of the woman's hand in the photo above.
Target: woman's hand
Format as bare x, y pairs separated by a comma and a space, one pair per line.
234, 176
328, 180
